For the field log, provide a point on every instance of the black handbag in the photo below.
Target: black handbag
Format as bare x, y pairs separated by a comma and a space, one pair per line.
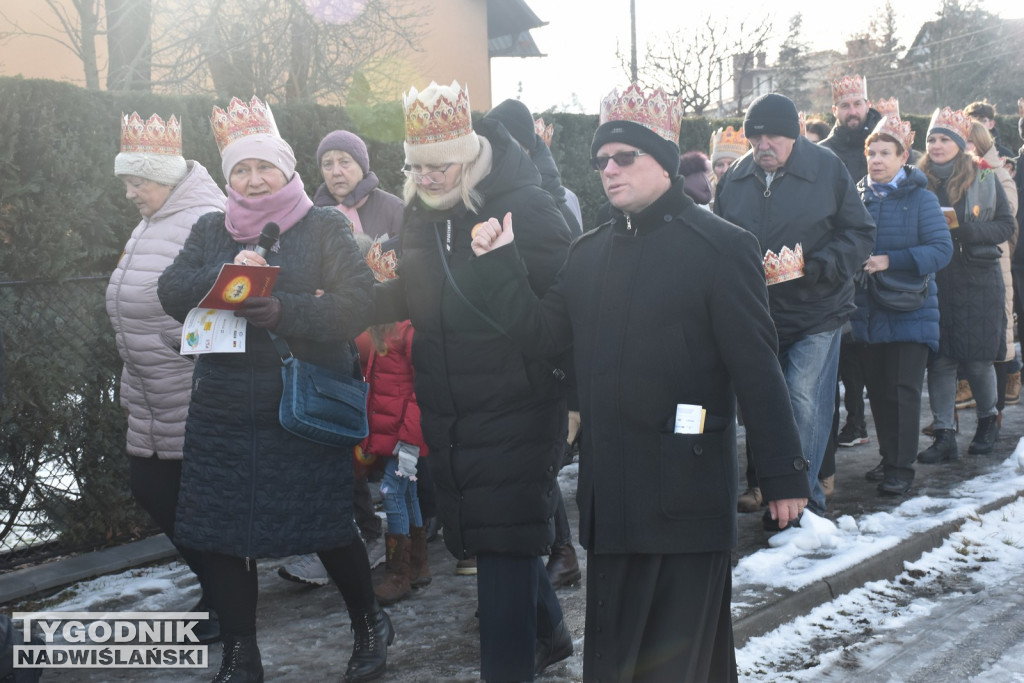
320, 404
898, 290
981, 255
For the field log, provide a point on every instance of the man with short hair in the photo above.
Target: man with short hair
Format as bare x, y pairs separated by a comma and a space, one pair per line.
985, 113
800, 201
666, 309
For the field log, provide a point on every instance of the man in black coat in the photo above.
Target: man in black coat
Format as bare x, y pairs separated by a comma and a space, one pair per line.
666, 310
792, 193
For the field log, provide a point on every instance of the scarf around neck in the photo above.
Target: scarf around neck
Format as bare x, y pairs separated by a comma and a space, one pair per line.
245, 217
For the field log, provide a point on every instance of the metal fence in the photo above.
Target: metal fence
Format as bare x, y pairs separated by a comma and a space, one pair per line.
63, 468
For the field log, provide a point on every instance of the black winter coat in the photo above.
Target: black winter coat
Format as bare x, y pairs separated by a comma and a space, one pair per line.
493, 418
248, 487
667, 308
848, 144
812, 201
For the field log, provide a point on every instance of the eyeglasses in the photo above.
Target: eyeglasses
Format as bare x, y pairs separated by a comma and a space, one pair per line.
621, 159
431, 177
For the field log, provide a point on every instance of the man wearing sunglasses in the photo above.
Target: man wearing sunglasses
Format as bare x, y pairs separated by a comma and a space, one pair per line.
666, 309
789, 191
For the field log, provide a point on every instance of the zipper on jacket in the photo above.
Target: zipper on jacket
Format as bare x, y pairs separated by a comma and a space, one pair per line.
252, 462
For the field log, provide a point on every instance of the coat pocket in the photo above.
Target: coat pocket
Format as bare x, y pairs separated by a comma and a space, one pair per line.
693, 475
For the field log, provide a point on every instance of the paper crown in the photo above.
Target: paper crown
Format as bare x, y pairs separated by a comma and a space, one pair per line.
787, 265
150, 137
849, 86
240, 120
438, 114
951, 120
384, 264
889, 107
655, 110
900, 130
544, 132
729, 141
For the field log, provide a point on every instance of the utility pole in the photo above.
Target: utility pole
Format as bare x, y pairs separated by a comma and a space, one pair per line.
632, 40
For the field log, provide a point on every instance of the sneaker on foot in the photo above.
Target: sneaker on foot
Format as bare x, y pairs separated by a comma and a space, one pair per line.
850, 435
306, 569
964, 395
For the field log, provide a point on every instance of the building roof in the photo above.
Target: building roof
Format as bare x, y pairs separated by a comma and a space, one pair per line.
508, 29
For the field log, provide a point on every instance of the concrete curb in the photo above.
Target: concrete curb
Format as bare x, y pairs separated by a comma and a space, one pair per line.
883, 566
24, 583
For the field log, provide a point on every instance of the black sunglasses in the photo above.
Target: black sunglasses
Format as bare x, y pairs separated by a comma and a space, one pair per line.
621, 159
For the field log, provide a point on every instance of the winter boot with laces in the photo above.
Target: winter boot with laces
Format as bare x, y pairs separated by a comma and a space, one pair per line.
373, 633
241, 662
943, 448
419, 568
395, 585
985, 436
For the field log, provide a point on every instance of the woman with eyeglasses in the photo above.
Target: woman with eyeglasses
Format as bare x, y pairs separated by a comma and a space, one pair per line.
493, 419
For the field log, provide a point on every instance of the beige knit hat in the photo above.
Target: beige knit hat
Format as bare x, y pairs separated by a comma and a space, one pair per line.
151, 149
439, 126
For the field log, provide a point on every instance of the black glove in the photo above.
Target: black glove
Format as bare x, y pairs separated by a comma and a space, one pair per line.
261, 311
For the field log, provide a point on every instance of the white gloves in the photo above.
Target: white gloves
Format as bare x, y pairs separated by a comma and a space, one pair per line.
407, 457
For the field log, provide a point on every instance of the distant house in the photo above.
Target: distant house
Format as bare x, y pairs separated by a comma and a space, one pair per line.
460, 38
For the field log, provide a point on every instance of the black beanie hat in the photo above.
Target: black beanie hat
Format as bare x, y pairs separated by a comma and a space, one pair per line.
772, 114
665, 152
517, 119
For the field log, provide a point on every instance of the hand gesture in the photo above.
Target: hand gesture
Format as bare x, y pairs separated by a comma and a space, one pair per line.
248, 257
261, 311
786, 511
490, 235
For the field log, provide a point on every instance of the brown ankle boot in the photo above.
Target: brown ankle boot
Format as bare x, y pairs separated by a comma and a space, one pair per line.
395, 585
419, 569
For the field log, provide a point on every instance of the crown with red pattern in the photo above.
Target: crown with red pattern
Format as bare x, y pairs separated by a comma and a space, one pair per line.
439, 125
728, 142
152, 136
384, 264
849, 86
655, 110
787, 265
899, 130
240, 120
954, 123
889, 107
544, 132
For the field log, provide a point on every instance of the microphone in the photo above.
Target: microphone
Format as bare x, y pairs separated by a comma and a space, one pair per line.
271, 231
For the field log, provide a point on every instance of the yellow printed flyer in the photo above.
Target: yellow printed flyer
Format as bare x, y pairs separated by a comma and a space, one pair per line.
212, 327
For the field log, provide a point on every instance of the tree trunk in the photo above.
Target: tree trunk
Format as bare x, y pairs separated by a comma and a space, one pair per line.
129, 44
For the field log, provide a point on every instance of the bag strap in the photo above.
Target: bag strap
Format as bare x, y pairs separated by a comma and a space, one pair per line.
281, 344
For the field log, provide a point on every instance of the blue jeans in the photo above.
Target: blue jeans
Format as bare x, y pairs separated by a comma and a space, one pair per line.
811, 365
401, 502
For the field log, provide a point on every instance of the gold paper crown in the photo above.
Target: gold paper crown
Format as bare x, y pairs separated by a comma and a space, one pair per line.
240, 120
952, 120
152, 137
384, 264
729, 141
787, 265
900, 130
545, 132
849, 86
889, 107
437, 119
655, 110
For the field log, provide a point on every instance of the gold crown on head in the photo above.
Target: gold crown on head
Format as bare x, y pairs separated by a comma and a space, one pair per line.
655, 110
787, 265
730, 141
849, 86
152, 136
889, 107
544, 132
240, 120
952, 120
444, 114
900, 130
384, 264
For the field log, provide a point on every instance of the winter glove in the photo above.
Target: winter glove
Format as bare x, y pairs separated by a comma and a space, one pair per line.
261, 311
407, 457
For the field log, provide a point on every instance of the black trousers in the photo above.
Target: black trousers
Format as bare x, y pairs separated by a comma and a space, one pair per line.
851, 374
894, 373
155, 484
659, 619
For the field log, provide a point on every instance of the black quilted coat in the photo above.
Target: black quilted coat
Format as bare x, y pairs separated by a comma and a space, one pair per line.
249, 488
493, 418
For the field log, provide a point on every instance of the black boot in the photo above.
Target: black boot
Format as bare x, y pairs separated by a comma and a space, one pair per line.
985, 436
373, 633
554, 648
563, 566
241, 662
207, 630
943, 448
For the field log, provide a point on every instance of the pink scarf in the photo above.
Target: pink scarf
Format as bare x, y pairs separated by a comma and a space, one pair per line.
352, 213
245, 217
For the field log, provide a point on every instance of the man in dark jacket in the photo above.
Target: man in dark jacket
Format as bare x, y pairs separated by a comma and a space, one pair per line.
666, 309
792, 193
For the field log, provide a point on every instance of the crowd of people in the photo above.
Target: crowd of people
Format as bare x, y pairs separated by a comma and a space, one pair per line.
499, 336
